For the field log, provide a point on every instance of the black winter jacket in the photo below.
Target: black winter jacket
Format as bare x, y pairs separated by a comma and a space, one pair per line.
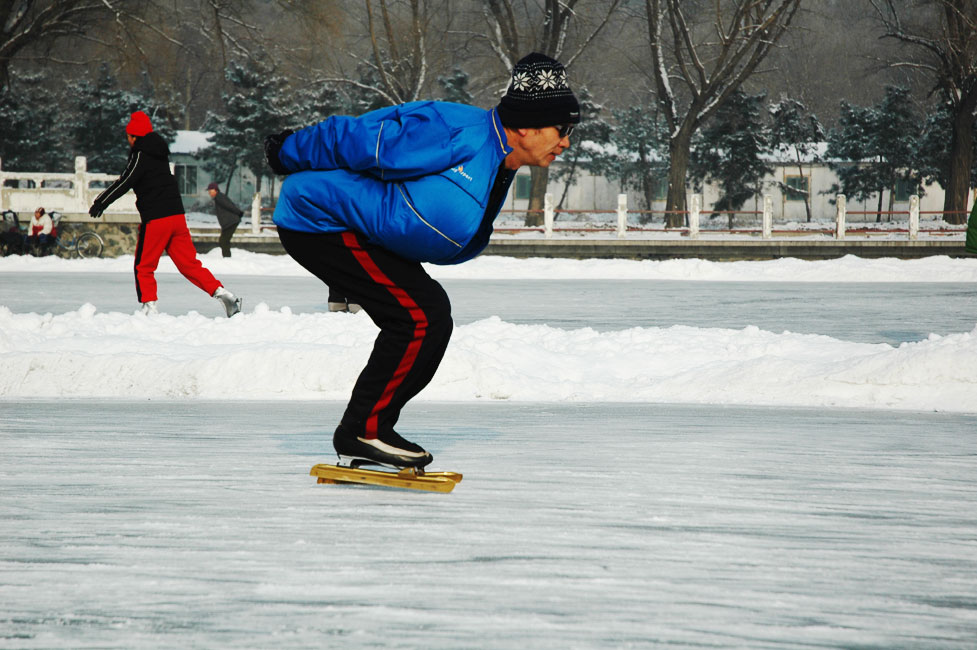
147, 173
227, 213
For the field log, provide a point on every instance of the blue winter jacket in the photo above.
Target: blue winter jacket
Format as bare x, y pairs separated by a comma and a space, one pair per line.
414, 179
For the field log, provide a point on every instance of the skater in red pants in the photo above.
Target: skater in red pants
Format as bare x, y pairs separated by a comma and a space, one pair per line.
164, 224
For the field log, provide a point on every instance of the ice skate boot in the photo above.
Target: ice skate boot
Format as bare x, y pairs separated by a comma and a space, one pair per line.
232, 304
149, 308
387, 449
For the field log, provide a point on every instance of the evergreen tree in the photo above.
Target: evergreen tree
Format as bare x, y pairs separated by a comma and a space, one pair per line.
793, 128
454, 87
934, 147
637, 152
257, 106
593, 130
878, 147
730, 150
30, 135
96, 117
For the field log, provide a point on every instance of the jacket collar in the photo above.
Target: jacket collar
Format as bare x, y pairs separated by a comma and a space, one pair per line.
499, 133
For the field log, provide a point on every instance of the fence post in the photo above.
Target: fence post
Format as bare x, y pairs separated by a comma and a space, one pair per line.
622, 215
767, 216
840, 217
81, 181
693, 217
256, 214
913, 217
548, 215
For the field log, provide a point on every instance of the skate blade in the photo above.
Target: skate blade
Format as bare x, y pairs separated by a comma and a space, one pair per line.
407, 478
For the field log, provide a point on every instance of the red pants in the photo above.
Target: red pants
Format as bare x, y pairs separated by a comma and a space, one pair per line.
168, 234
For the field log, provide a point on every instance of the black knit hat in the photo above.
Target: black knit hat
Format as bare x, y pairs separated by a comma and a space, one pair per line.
538, 95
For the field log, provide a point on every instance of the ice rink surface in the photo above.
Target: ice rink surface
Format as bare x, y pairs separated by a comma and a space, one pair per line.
195, 524
177, 523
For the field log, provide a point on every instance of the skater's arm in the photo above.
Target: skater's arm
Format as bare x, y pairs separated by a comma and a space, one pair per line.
122, 184
391, 144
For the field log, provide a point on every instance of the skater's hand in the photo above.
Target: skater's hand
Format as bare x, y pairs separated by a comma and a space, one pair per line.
96, 210
273, 144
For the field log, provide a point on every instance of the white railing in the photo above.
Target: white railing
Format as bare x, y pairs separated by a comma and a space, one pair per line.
694, 216
69, 194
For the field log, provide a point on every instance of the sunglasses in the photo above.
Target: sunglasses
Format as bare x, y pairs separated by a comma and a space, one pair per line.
565, 129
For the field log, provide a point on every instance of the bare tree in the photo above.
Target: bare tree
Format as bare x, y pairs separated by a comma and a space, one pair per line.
545, 30
28, 23
946, 37
399, 50
710, 61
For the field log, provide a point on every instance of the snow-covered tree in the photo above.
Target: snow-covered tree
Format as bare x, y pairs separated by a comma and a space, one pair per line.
518, 28
711, 53
935, 148
454, 87
637, 155
259, 104
97, 112
878, 146
942, 34
730, 151
30, 134
795, 129
592, 130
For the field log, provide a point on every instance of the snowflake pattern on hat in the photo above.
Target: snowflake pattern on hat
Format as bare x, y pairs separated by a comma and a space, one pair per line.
535, 78
538, 94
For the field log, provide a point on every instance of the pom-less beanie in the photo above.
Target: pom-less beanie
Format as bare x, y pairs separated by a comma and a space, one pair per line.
139, 124
538, 95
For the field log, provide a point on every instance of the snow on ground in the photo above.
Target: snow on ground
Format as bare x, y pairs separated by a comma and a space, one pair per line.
277, 353
491, 267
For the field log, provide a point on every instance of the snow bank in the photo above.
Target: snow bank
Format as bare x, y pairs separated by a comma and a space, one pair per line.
488, 267
282, 355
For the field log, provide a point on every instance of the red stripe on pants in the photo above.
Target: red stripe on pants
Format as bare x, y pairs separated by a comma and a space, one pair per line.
420, 329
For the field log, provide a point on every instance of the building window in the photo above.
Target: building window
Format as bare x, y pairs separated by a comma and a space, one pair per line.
660, 188
186, 178
524, 183
797, 188
903, 190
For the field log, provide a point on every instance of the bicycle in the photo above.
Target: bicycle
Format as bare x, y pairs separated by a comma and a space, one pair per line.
86, 244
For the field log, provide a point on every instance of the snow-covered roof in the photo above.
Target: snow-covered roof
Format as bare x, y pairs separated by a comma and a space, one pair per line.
190, 142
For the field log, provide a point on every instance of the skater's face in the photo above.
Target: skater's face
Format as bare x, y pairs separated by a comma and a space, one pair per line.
539, 147
131, 139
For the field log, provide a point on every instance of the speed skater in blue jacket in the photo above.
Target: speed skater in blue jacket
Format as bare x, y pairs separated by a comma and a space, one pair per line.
367, 199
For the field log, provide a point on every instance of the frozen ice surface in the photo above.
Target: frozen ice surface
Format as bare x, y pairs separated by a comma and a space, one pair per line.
146, 524
149, 498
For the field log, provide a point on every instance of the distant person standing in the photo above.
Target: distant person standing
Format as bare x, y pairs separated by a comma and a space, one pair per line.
164, 223
228, 216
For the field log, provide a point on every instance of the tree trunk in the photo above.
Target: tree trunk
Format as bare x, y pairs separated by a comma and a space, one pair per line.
540, 177
807, 197
675, 208
878, 210
961, 158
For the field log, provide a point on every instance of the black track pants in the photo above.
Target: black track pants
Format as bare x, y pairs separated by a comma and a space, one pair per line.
410, 308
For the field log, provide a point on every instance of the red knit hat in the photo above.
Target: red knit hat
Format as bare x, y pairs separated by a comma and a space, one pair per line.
139, 124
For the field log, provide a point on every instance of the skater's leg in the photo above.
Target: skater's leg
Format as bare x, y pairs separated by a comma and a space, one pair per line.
181, 250
151, 242
411, 309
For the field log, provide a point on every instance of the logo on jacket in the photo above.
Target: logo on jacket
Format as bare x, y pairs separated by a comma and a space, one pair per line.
460, 169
